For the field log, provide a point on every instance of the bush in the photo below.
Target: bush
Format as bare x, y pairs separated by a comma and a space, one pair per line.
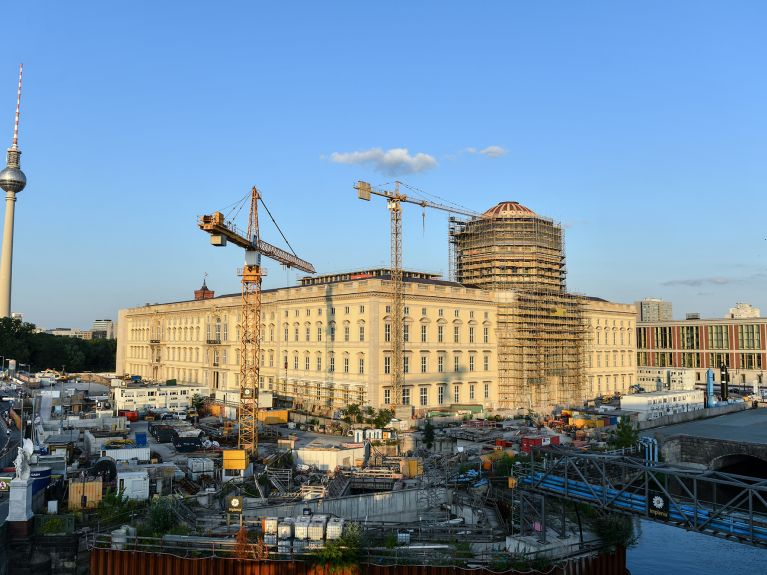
342, 553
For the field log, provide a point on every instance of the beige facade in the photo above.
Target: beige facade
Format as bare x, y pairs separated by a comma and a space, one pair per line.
611, 349
326, 343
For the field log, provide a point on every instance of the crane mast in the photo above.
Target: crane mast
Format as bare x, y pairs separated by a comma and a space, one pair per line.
394, 203
251, 273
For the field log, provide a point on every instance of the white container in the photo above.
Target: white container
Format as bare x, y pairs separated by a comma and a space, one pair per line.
284, 545
403, 538
270, 540
335, 528
200, 466
317, 528
310, 545
299, 545
119, 539
134, 484
270, 525
302, 528
285, 528
141, 454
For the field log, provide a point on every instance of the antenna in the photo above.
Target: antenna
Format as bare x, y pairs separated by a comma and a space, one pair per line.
18, 106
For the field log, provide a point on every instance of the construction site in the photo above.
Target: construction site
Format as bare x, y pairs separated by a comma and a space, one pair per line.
519, 256
386, 466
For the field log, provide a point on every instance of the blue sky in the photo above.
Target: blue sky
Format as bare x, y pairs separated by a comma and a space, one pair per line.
640, 126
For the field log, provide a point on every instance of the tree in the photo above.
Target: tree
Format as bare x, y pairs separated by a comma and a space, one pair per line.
428, 434
383, 417
625, 435
352, 413
198, 402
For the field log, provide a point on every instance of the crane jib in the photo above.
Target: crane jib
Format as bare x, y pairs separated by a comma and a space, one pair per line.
284, 257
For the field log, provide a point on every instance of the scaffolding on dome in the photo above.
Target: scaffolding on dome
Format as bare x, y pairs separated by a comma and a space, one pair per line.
541, 332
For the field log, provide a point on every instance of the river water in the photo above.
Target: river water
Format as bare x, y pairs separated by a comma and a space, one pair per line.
664, 549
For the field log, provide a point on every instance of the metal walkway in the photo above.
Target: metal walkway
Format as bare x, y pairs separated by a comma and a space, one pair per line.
719, 504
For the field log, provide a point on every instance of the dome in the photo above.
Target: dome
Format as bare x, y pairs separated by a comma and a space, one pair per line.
12, 180
508, 209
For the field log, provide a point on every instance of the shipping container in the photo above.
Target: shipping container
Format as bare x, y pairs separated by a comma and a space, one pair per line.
141, 454
527, 443
335, 528
411, 466
141, 439
270, 525
92, 490
134, 484
41, 476
284, 545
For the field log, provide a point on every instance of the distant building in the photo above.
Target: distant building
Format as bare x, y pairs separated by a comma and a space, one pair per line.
17, 315
103, 329
744, 311
740, 344
69, 332
171, 397
649, 378
651, 309
658, 404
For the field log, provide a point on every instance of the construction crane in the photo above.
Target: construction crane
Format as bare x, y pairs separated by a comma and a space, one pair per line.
394, 200
221, 232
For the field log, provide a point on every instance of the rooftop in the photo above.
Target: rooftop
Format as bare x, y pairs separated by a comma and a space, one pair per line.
505, 209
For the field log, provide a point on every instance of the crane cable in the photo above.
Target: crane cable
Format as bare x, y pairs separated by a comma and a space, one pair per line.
277, 225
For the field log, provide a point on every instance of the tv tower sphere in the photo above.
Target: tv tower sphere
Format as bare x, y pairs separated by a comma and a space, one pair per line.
12, 179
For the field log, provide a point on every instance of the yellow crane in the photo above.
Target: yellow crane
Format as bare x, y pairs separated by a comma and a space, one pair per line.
394, 200
221, 232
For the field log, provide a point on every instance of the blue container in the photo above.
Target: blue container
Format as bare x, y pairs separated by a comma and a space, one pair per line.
41, 476
141, 439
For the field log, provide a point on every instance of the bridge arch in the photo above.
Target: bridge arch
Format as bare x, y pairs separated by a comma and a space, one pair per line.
740, 464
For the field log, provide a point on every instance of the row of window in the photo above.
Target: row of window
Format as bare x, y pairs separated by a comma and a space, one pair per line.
442, 390
748, 336
695, 360
347, 311
599, 358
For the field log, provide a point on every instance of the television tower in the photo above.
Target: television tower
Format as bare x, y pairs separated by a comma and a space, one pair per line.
12, 180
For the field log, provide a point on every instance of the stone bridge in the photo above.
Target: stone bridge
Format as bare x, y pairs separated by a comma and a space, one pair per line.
736, 443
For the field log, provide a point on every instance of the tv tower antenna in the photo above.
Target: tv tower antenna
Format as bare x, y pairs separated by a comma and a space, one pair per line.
12, 180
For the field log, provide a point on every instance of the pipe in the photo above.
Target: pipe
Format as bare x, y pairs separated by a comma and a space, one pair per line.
710, 401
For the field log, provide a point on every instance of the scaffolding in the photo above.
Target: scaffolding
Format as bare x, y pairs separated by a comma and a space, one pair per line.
541, 333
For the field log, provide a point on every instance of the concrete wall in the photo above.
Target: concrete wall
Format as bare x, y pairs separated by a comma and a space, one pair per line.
692, 415
400, 505
701, 452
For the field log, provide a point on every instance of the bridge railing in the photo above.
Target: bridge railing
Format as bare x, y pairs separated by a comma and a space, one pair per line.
715, 503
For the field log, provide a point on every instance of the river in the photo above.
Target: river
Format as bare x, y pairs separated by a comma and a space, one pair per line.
664, 549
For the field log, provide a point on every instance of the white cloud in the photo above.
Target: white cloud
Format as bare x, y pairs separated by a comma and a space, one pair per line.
391, 162
493, 152
490, 152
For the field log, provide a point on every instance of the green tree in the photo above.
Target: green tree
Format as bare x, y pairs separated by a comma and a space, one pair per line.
383, 417
625, 435
352, 413
428, 434
198, 402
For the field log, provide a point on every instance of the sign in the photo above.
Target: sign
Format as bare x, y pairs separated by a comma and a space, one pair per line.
234, 504
657, 506
5, 484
